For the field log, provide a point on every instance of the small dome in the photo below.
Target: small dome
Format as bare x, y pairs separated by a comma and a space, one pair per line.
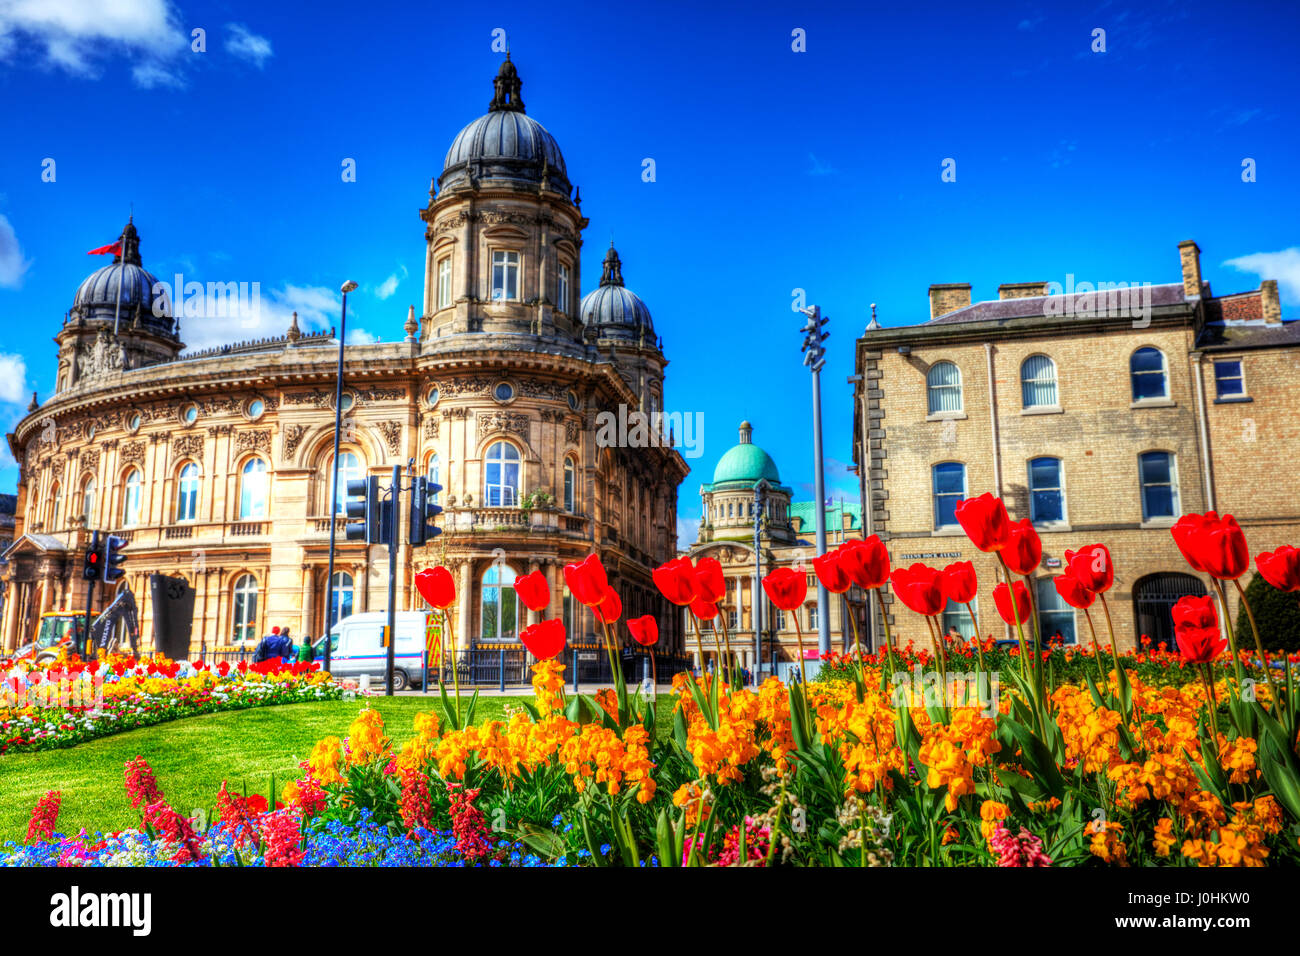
614, 310
123, 286
746, 462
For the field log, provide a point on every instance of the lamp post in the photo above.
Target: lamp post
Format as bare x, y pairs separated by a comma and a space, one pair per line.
760, 499
334, 483
814, 358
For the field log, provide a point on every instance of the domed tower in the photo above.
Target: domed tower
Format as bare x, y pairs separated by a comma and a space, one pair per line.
503, 234
117, 320
617, 322
729, 499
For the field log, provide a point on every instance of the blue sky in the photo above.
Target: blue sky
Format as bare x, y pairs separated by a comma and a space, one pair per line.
775, 169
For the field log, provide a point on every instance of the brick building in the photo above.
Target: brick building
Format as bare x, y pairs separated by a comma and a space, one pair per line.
1101, 413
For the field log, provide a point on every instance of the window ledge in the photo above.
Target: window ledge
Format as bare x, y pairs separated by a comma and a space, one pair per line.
1233, 400
948, 531
1042, 410
1158, 523
945, 416
1052, 526
1153, 403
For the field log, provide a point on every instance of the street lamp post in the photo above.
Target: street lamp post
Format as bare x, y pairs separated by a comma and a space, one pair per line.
760, 498
334, 484
814, 358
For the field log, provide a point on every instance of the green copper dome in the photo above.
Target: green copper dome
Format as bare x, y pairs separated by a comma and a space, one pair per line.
746, 462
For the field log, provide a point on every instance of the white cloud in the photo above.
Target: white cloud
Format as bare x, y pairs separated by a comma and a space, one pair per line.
149, 76
361, 337
76, 35
270, 316
1284, 266
13, 378
247, 45
386, 288
688, 531
12, 263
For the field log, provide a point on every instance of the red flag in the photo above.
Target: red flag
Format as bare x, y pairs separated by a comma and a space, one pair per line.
111, 250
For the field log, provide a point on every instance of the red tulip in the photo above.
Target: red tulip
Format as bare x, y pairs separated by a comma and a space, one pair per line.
611, 608
1195, 612
787, 587
919, 587
1212, 544
644, 629
985, 521
704, 610
587, 581
866, 562
436, 586
1280, 568
1072, 590
710, 585
544, 639
1092, 567
676, 581
831, 573
958, 582
1002, 597
1024, 550
533, 591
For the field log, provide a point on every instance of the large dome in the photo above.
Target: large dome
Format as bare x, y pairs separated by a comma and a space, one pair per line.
613, 310
746, 462
123, 286
505, 143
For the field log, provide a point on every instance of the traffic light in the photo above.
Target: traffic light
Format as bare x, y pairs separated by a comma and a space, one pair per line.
113, 557
92, 559
363, 502
424, 511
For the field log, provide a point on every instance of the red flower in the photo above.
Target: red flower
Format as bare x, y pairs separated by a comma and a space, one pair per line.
1199, 645
831, 573
1212, 544
1002, 597
920, 587
704, 610
587, 581
611, 608
533, 591
544, 639
676, 581
985, 521
958, 582
866, 562
1280, 568
1091, 567
1024, 550
1192, 611
644, 629
709, 583
1072, 590
436, 586
787, 587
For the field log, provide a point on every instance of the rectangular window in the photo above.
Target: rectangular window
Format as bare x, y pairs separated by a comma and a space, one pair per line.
505, 276
562, 289
1046, 496
1228, 380
444, 282
812, 617
733, 621
956, 615
1158, 473
949, 488
1055, 617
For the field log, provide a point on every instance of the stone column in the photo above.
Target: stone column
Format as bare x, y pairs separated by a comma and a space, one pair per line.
308, 602
9, 638
535, 616
465, 594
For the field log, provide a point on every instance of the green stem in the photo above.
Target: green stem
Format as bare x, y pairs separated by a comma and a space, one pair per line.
1259, 647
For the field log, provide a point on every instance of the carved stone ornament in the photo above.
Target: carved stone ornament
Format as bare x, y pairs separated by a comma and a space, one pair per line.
253, 440
572, 431
133, 453
293, 434
187, 446
392, 432
513, 422
431, 427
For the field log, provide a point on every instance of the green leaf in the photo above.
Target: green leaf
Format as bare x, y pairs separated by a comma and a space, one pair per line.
469, 711
530, 709
1280, 774
664, 841
1039, 760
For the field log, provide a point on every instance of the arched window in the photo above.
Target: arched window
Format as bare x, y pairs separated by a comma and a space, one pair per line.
500, 610
943, 386
501, 476
343, 590
187, 493
1046, 491
253, 486
244, 605
1147, 369
1158, 475
434, 474
1038, 382
949, 480
349, 470
132, 498
88, 500
570, 486
56, 506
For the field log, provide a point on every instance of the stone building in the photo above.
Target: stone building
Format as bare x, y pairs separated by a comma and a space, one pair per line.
786, 538
1101, 413
217, 466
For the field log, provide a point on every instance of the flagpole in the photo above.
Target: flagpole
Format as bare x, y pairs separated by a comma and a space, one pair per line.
117, 311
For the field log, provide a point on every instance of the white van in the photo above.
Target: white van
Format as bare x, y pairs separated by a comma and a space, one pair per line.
357, 647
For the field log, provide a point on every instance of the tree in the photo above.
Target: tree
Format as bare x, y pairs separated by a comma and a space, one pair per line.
1276, 612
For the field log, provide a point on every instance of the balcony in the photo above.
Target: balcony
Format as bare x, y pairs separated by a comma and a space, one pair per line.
512, 521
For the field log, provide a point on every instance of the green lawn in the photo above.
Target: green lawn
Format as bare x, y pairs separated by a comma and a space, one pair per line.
190, 758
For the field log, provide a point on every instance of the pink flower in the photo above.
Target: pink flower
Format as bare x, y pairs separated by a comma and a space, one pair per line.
1023, 849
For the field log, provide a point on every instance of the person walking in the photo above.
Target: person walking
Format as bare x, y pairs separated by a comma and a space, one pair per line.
267, 646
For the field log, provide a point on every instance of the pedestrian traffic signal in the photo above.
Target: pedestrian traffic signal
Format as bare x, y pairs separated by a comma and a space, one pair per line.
424, 511
92, 559
113, 557
363, 503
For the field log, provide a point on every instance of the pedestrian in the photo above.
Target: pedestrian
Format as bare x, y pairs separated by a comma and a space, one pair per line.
306, 653
266, 646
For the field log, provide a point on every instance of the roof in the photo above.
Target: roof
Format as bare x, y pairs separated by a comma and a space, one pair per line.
1084, 303
43, 542
806, 512
1227, 337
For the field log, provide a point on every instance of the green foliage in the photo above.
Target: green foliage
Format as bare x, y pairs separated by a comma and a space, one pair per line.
1277, 615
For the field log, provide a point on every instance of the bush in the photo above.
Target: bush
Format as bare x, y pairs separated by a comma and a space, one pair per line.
1277, 614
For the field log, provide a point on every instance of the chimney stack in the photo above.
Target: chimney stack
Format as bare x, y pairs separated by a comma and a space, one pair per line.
1189, 253
1269, 302
948, 297
1021, 290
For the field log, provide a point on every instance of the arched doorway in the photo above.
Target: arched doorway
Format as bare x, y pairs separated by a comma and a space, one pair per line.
1154, 597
